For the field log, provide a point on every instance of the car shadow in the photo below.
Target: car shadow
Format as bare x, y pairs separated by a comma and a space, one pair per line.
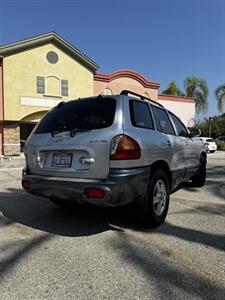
39, 213
74, 220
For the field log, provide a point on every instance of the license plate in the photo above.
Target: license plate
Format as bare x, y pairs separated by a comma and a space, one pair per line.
62, 160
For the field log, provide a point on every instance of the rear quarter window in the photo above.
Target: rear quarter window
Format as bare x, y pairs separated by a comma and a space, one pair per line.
140, 114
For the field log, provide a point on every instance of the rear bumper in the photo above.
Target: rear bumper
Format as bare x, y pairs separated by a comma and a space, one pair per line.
212, 148
121, 187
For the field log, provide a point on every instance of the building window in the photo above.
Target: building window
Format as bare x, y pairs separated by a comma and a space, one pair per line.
146, 95
64, 87
107, 92
52, 86
52, 57
40, 85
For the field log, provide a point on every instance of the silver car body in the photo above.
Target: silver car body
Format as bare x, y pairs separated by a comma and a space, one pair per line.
123, 181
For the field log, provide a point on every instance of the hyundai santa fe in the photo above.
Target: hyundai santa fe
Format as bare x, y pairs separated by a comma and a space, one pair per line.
113, 151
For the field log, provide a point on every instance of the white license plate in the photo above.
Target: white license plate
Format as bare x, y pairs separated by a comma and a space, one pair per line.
62, 160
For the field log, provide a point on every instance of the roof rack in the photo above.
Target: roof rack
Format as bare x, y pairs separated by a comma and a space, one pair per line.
126, 92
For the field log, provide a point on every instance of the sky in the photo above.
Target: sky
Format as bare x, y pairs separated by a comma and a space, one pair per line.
163, 40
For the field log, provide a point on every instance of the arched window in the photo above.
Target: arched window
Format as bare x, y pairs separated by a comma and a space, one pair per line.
107, 92
146, 95
53, 86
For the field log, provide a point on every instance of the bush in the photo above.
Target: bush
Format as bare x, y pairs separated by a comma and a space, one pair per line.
220, 145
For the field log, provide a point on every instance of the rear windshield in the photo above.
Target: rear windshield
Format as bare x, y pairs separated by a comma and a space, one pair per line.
79, 114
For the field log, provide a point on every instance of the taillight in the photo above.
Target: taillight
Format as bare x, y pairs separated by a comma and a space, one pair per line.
94, 193
124, 147
26, 184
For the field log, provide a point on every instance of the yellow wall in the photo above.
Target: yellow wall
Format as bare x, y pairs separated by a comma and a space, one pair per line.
20, 72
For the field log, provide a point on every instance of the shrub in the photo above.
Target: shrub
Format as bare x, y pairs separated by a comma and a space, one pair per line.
221, 145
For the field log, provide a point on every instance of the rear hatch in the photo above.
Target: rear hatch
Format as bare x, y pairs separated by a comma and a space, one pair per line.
74, 138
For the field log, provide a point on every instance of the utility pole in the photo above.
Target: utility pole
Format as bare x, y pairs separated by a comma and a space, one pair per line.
210, 126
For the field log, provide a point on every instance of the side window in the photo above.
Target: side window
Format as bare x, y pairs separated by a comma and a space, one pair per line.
140, 114
64, 87
40, 85
181, 129
162, 120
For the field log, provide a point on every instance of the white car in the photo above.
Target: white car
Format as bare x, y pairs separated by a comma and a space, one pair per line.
209, 143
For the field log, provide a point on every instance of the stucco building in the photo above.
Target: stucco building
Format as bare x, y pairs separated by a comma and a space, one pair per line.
114, 83
38, 73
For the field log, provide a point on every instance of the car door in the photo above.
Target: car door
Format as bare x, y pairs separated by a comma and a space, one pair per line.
175, 145
191, 156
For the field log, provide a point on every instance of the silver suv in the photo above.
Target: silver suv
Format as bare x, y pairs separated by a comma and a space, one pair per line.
113, 151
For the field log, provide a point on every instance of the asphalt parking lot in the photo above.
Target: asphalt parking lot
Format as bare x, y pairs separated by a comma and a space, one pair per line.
91, 253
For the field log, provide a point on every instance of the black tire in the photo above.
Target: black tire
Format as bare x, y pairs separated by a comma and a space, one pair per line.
153, 215
212, 151
198, 180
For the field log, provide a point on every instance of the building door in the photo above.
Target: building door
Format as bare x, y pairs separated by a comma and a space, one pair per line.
25, 130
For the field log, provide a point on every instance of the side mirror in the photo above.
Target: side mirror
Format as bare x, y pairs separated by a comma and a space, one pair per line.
194, 131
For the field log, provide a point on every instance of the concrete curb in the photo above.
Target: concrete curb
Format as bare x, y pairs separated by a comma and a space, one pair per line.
11, 162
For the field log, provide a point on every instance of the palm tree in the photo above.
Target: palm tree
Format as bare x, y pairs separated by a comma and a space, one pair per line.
172, 89
197, 89
220, 96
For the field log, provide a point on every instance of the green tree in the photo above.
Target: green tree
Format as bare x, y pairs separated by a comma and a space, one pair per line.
197, 89
172, 89
220, 96
217, 129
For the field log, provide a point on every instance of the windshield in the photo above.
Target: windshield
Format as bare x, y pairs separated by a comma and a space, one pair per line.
79, 114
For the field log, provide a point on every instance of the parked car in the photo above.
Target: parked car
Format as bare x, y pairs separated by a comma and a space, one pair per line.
113, 151
220, 138
210, 143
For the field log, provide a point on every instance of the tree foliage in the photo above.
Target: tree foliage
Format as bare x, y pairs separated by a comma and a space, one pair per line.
217, 126
195, 88
198, 89
172, 89
220, 96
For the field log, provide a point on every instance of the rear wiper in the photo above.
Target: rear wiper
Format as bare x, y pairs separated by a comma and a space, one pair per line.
72, 131
58, 130
75, 130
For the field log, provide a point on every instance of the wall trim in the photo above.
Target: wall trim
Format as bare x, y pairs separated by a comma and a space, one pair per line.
126, 73
175, 98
